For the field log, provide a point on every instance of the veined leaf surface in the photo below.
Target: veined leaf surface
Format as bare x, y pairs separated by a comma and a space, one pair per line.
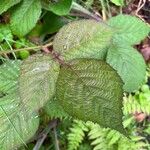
17, 125
9, 73
129, 64
37, 80
128, 29
6, 4
25, 16
83, 39
62, 7
90, 89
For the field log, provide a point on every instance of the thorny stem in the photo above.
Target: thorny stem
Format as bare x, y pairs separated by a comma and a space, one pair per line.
54, 54
44, 48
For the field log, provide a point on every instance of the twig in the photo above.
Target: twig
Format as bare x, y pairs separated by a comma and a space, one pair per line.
103, 10
55, 139
78, 10
140, 6
44, 134
28, 48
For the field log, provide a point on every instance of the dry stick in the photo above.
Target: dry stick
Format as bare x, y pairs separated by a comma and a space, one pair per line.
50, 126
140, 6
56, 143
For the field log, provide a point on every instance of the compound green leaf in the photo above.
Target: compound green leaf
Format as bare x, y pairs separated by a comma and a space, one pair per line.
17, 125
9, 73
90, 89
25, 16
37, 80
6, 4
83, 39
129, 29
118, 2
61, 7
129, 64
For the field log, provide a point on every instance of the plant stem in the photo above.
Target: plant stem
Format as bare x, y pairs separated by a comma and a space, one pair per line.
108, 7
78, 10
103, 9
44, 134
12, 51
56, 139
28, 48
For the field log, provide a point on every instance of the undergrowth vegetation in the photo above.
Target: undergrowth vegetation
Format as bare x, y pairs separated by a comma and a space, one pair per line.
71, 78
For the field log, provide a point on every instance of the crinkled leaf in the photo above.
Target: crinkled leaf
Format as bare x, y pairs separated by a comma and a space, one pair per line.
129, 29
83, 39
37, 80
25, 16
129, 64
118, 2
62, 7
91, 90
9, 73
6, 4
17, 125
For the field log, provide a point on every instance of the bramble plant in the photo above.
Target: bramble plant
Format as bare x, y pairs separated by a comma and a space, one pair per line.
90, 66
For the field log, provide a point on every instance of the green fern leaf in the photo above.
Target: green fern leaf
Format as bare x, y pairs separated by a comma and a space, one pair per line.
83, 39
97, 136
134, 105
135, 144
82, 90
107, 139
37, 80
76, 135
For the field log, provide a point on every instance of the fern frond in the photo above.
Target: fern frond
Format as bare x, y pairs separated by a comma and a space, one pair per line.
107, 139
136, 144
76, 135
97, 135
132, 105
